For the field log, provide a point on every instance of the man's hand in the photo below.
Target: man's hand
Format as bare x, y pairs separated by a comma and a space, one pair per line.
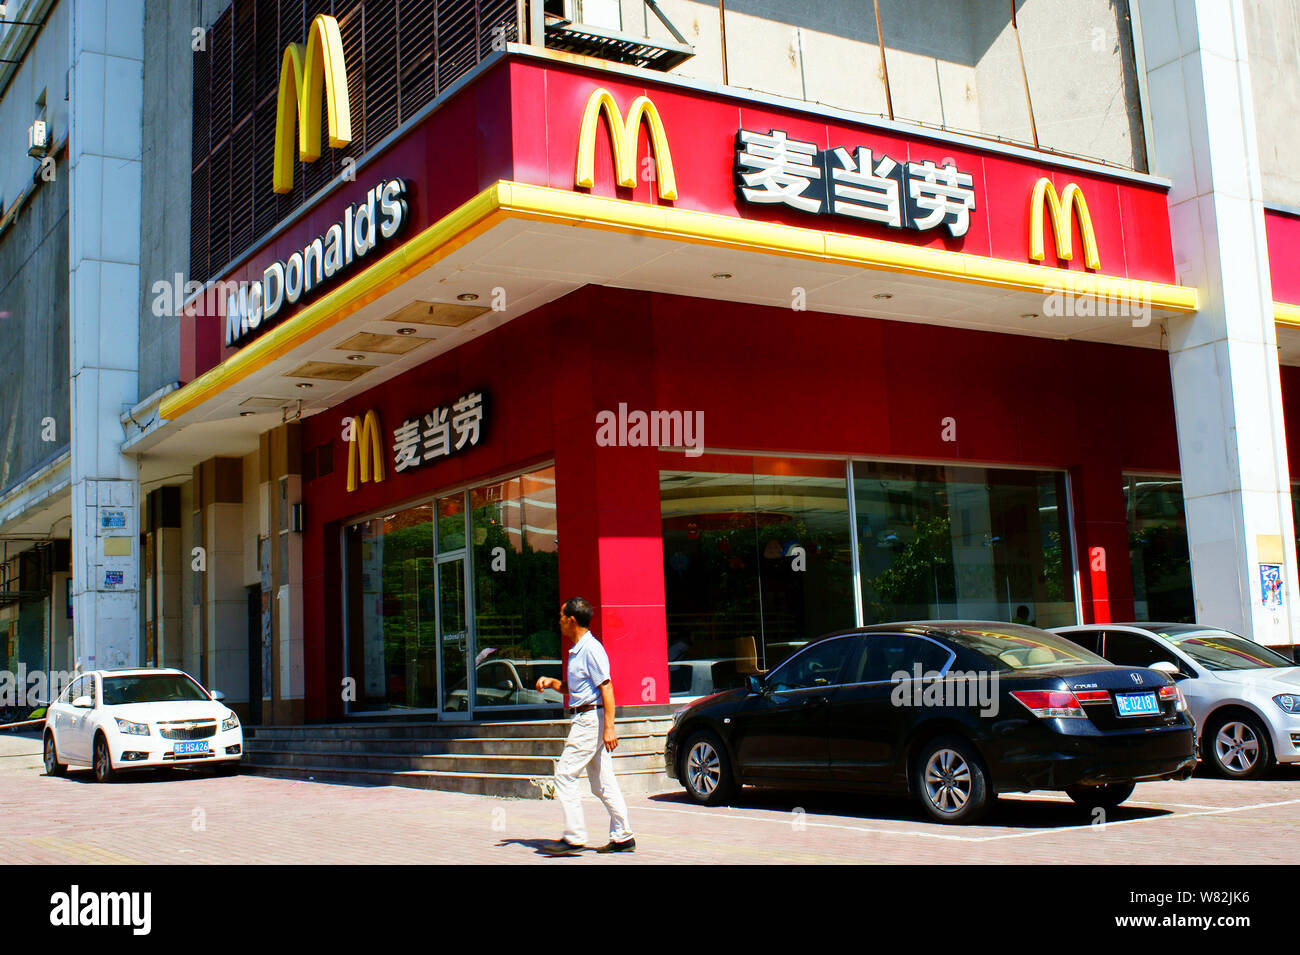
548, 683
607, 703
611, 737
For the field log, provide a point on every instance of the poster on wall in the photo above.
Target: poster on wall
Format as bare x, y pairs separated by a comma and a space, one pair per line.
1270, 586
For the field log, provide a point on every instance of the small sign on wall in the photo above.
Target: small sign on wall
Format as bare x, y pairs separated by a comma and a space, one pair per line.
1270, 586
112, 519
112, 578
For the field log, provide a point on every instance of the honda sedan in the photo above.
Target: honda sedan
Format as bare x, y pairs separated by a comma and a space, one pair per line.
111, 720
952, 712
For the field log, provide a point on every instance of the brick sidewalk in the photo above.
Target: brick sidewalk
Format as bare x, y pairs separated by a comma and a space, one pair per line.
186, 817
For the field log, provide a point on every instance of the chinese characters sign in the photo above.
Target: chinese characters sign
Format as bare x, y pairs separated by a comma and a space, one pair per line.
438, 433
772, 168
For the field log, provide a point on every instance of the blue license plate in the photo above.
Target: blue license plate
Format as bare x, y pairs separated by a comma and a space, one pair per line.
200, 746
1137, 704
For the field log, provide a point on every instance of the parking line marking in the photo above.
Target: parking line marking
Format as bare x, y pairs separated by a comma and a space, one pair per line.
785, 821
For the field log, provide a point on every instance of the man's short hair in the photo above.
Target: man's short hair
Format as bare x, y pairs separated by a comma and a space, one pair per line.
580, 610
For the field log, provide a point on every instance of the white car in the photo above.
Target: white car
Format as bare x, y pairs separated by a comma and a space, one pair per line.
112, 720
1244, 698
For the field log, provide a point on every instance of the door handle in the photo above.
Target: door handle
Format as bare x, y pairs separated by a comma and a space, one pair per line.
816, 700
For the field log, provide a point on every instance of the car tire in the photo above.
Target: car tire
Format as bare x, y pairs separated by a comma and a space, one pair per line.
51, 757
102, 762
949, 778
1226, 745
705, 771
1100, 797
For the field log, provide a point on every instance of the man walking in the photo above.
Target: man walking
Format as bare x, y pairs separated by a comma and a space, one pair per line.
592, 737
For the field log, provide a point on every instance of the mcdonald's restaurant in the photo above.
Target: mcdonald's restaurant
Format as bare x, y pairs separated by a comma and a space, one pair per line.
740, 371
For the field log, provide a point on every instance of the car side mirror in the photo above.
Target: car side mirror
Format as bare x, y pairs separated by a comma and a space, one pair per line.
219, 696
755, 685
1165, 666
83, 702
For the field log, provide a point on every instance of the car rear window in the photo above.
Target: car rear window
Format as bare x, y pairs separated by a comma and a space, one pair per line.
151, 688
1012, 647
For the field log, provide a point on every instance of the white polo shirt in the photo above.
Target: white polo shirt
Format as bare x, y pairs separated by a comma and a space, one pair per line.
588, 669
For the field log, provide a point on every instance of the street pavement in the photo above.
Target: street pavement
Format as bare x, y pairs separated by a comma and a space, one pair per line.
185, 816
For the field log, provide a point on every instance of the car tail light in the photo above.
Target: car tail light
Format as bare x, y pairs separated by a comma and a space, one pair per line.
1092, 696
1050, 704
1172, 692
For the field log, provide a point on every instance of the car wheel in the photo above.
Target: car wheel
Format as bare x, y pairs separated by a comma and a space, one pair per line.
52, 765
1100, 797
706, 774
103, 762
950, 779
1237, 747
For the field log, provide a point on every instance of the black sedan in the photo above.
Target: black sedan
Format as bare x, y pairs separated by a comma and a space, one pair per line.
953, 712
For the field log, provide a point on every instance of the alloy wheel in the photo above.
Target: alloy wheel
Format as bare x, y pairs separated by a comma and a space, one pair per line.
49, 756
103, 768
1236, 747
947, 780
703, 768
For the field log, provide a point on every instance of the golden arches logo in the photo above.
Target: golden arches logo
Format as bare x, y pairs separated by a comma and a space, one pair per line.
624, 136
1060, 208
366, 451
305, 71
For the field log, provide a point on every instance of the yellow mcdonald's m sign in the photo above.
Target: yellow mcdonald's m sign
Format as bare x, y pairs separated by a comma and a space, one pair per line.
1060, 207
366, 450
624, 136
306, 70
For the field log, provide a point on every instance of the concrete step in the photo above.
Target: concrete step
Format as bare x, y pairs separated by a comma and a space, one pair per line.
516, 786
630, 726
426, 746
454, 763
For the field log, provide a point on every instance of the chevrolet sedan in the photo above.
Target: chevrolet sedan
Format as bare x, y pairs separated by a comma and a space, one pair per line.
112, 720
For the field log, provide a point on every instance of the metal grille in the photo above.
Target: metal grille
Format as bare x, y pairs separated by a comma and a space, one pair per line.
182, 732
400, 55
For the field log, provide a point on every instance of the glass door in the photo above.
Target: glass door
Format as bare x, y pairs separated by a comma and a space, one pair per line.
456, 683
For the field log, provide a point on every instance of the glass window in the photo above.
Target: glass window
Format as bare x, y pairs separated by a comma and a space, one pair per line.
392, 652
1135, 650
819, 665
1090, 640
963, 543
1157, 542
516, 588
757, 562
886, 654
1220, 650
1011, 647
451, 523
151, 688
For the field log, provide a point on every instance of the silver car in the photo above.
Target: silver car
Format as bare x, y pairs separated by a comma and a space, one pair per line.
1244, 697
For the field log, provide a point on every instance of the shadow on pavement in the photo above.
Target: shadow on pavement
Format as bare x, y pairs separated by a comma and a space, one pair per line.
1010, 811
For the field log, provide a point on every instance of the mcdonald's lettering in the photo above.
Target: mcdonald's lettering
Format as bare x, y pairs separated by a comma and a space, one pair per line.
624, 137
366, 452
1060, 208
305, 71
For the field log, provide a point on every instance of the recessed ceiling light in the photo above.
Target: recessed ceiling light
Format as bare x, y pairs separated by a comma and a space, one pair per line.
406, 331
247, 414
467, 297
1029, 315
883, 296
304, 384
722, 275
356, 357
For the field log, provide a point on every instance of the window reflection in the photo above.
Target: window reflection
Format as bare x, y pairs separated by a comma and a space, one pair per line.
1157, 541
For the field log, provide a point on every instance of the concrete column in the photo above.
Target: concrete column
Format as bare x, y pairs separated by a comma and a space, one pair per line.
607, 498
106, 88
224, 609
1227, 392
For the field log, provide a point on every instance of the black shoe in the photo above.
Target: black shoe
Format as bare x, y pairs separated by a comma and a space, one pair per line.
559, 848
627, 845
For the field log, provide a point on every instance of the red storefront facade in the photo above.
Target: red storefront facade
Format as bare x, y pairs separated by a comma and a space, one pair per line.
802, 340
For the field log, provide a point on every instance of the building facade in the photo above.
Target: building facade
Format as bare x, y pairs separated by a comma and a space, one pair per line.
748, 322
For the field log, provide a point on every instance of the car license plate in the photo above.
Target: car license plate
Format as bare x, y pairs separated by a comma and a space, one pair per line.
200, 746
1137, 704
